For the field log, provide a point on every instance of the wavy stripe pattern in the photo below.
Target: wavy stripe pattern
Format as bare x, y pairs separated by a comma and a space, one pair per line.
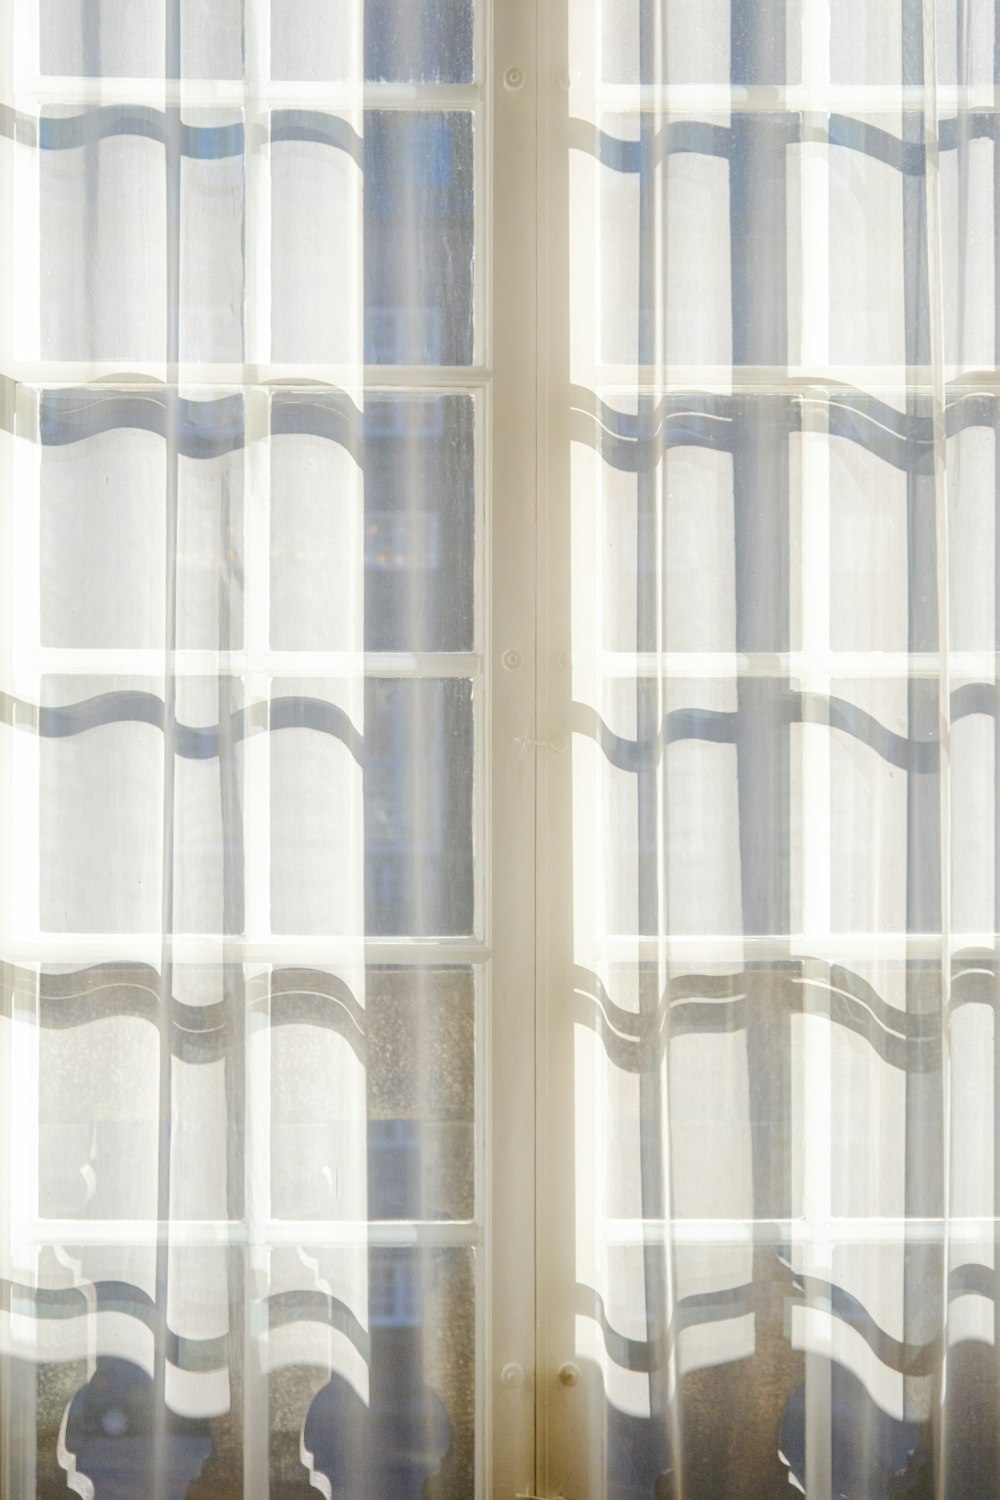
718, 422
692, 1004
696, 419
200, 429
702, 138
297, 996
204, 142
708, 1004
784, 706
757, 1299
196, 1356
191, 742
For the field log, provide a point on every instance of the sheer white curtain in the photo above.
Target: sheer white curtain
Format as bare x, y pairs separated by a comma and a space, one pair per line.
220, 1043
783, 406
246, 395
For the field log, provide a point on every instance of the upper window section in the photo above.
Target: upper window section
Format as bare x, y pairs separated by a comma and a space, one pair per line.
406, 41
128, 38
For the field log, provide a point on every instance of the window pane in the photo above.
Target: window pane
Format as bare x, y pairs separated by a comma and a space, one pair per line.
419, 760
104, 518
415, 1029
420, 498
419, 462
127, 38
418, 249
418, 41
107, 227
406, 41
421, 1093
416, 1427
419, 238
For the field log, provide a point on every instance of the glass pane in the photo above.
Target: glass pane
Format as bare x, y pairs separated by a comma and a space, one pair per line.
317, 753
624, 740
419, 764
375, 1400
693, 301
421, 1093
699, 41
104, 468
867, 41
419, 237
696, 551
406, 41
127, 38
96, 1408
420, 522
419, 459
106, 232
416, 754
98, 1058
102, 778
412, 1432
414, 1030
317, 166
419, 41
100, 804
695, 41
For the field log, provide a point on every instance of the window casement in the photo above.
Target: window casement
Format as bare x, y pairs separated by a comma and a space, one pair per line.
498, 651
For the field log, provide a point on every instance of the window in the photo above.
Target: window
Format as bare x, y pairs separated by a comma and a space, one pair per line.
498, 650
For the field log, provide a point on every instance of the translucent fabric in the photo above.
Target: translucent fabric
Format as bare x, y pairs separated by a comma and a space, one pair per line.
702, 1204
782, 230
241, 703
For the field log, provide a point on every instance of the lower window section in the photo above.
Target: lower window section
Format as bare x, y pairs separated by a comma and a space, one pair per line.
375, 1401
